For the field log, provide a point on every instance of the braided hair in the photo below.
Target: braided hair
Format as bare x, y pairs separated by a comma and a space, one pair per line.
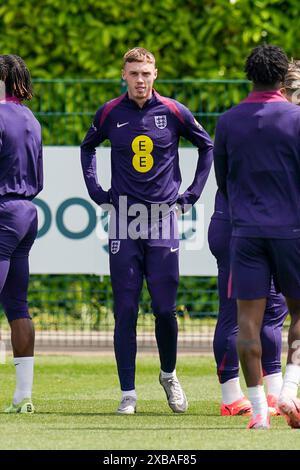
266, 65
15, 76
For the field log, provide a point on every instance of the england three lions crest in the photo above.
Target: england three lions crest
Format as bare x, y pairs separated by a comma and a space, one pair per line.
161, 121
115, 246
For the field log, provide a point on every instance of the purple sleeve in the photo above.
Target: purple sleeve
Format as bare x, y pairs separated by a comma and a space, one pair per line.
40, 173
194, 132
220, 157
1, 133
95, 135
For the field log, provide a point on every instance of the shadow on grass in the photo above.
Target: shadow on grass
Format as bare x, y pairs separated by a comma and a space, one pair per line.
138, 415
147, 428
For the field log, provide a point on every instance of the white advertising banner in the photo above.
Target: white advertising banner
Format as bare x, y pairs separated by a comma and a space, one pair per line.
73, 230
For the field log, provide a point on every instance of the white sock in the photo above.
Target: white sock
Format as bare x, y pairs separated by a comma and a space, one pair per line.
24, 378
291, 381
231, 391
258, 400
168, 375
129, 393
274, 383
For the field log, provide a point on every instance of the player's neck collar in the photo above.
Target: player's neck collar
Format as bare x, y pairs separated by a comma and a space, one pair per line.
10, 99
147, 102
265, 95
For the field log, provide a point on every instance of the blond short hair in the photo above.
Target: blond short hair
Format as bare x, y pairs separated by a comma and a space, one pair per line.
138, 54
292, 79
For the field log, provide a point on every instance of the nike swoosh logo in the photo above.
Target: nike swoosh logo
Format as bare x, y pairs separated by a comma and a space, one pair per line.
123, 124
17, 364
174, 249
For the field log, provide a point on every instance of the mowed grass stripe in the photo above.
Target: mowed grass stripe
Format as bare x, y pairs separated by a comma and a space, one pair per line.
76, 398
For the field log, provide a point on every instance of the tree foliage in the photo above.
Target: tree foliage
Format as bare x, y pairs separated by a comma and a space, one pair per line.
191, 38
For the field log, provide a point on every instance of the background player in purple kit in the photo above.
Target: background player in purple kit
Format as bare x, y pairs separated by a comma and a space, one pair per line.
219, 235
233, 400
257, 164
144, 130
21, 179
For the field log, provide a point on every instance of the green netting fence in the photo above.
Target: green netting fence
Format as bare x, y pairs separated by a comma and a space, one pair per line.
65, 108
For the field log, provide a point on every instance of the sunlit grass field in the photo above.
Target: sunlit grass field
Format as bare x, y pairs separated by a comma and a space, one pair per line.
76, 398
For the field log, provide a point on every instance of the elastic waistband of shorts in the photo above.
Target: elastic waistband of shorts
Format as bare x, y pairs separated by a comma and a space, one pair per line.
14, 197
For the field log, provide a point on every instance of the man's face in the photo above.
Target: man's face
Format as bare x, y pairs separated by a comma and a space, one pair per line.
140, 77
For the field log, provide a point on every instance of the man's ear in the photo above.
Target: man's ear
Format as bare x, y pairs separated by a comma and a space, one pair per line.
123, 74
282, 90
155, 74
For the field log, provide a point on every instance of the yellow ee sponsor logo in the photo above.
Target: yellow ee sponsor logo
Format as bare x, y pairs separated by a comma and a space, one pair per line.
142, 147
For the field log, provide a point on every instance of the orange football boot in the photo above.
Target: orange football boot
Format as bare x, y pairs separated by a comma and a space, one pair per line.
259, 423
240, 407
290, 409
273, 405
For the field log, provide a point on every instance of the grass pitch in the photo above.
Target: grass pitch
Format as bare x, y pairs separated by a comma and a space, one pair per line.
76, 398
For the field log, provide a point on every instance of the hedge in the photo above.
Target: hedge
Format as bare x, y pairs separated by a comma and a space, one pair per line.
191, 38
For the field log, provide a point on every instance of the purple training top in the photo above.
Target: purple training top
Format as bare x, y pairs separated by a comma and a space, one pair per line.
257, 163
221, 207
144, 151
21, 170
